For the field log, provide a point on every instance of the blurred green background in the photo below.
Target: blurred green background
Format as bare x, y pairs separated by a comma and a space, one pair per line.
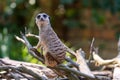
75, 21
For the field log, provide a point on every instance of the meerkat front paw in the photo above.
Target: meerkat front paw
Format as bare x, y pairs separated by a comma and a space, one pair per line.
35, 47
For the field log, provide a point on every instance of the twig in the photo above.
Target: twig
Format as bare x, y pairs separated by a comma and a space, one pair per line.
32, 35
32, 73
70, 51
29, 78
30, 48
91, 50
92, 45
99, 61
65, 68
73, 63
19, 39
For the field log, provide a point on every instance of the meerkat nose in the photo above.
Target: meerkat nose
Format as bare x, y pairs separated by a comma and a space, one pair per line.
41, 19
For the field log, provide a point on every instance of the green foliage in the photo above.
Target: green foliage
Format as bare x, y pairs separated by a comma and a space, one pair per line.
27, 57
8, 47
70, 13
98, 18
14, 17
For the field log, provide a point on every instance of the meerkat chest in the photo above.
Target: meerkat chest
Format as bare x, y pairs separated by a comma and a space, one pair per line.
52, 43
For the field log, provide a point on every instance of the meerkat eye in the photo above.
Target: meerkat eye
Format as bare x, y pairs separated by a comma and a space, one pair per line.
38, 16
44, 16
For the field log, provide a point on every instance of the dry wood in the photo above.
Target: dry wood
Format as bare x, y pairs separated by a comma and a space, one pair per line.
112, 63
78, 71
83, 67
109, 62
116, 73
35, 70
33, 52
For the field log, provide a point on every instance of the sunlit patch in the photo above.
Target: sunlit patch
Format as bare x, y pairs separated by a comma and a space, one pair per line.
32, 2
4, 48
13, 5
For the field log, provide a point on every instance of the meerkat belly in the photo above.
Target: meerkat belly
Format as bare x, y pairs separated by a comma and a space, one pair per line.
54, 46
56, 49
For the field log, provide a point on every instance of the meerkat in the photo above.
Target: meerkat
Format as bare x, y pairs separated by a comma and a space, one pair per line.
54, 49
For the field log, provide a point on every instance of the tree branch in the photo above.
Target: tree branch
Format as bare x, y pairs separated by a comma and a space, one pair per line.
36, 71
35, 53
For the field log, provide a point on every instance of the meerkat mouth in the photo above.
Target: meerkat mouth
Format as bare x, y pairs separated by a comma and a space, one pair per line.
41, 23
42, 19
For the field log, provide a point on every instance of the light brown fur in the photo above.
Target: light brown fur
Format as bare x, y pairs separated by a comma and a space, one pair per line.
54, 49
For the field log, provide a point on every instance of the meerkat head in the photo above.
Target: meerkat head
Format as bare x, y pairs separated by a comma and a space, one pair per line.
42, 19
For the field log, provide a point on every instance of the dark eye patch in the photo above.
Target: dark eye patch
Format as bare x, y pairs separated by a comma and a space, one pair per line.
44, 16
38, 16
